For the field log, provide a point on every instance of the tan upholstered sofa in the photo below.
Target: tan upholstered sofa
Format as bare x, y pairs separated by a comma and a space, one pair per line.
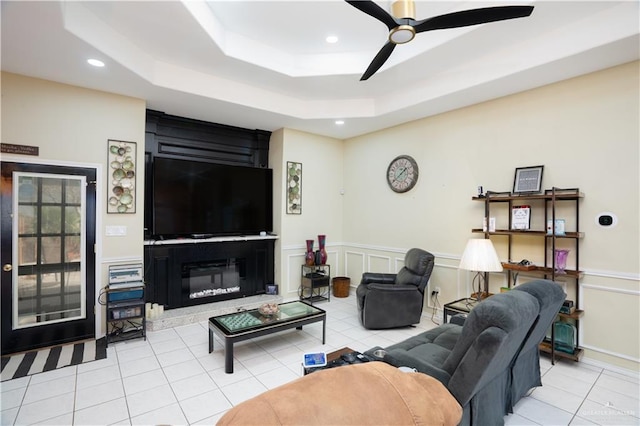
372, 393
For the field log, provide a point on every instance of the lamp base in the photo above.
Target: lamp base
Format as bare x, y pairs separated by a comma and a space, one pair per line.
482, 295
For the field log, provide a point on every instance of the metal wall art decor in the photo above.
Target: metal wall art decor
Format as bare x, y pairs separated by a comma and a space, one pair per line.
294, 188
528, 180
121, 176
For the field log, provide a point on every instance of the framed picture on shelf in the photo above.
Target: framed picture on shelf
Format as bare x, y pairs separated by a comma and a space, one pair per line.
521, 217
556, 228
528, 180
272, 289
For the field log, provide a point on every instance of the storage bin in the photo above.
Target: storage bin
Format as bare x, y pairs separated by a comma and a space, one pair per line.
341, 286
115, 296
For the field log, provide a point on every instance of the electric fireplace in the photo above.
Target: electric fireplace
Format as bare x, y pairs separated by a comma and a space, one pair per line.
213, 278
182, 273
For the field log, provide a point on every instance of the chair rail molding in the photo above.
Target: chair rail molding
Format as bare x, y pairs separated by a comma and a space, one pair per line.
123, 259
628, 276
611, 289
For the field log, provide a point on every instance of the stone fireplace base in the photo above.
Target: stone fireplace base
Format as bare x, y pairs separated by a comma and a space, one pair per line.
195, 314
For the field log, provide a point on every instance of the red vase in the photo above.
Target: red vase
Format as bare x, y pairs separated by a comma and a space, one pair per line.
309, 256
323, 253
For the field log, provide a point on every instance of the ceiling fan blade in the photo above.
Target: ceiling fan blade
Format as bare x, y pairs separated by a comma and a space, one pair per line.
379, 60
373, 10
472, 17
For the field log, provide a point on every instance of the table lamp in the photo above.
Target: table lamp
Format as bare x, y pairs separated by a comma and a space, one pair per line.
480, 256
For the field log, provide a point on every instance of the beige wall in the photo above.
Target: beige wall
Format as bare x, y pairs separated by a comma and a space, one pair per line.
71, 125
322, 178
584, 131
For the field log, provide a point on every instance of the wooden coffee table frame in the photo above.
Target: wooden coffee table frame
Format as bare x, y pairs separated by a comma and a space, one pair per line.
231, 338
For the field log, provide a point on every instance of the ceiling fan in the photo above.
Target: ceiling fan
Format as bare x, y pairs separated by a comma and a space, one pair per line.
403, 26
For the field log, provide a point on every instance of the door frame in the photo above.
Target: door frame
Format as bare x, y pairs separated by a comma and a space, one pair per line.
100, 210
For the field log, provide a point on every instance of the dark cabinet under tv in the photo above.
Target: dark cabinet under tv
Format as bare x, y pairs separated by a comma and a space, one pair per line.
187, 272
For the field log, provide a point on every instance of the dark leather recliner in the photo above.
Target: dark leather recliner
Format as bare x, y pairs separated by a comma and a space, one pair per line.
395, 300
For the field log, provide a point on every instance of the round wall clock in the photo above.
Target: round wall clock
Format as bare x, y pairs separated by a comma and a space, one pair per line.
402, 173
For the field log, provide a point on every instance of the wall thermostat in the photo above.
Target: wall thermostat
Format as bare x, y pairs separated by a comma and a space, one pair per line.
607, 220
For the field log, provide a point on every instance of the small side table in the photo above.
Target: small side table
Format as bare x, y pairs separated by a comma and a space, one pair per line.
315, 283
460, 306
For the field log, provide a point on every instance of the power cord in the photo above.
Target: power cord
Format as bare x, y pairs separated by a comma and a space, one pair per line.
436, 305
102, 300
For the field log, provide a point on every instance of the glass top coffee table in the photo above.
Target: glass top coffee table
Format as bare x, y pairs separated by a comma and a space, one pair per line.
249, 324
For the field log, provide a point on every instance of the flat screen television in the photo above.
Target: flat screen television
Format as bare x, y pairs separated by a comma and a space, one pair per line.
198, 199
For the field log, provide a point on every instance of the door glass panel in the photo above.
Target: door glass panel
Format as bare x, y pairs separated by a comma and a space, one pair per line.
27, 251
72, 252
51, 217
74, 195
28, 220
72, 220
51, 190
27, 190
48, 249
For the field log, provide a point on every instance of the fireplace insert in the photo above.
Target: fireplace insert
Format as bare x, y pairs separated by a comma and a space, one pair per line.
213, 279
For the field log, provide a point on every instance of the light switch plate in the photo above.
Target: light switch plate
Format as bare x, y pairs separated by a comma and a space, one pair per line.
115, 231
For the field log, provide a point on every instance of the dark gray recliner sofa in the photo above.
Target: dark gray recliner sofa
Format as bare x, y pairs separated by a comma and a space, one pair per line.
525, 369
395, 300
473, 361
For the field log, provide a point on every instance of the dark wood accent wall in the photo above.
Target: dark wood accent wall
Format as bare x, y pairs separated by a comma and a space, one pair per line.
184, 138
170, 136
177, 137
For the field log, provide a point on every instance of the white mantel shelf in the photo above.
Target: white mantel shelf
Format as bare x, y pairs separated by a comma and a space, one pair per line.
211, 240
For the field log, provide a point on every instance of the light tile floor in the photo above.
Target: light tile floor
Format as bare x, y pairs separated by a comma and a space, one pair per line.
172, 379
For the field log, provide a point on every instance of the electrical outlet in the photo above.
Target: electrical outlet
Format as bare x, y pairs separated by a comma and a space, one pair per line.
435, 291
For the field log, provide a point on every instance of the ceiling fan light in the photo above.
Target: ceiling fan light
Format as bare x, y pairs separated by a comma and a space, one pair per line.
402, 34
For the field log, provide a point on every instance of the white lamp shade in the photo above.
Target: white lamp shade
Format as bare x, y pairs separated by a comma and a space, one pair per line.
480, 255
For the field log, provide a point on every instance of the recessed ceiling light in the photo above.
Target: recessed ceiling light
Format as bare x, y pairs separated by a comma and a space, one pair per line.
332, 39
339, 122
95, 62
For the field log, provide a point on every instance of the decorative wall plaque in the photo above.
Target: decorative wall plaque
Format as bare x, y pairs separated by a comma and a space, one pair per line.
294, 188
121, 176
9, 148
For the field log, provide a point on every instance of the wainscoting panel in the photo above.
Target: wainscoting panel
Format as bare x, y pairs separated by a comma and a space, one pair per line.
612, 332
354, 264
379, 263
293, 279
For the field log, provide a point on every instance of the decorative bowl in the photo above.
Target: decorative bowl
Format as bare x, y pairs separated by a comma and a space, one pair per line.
269, 310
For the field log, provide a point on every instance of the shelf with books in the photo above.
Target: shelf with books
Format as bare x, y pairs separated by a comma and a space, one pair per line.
536, 217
